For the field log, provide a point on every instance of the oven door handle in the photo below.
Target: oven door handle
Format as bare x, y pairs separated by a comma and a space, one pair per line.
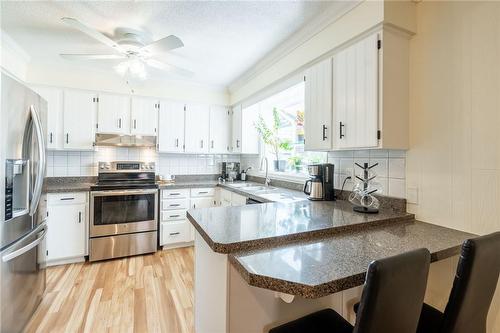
122, 192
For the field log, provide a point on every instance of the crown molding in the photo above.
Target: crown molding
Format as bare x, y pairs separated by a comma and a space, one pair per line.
10, 44
313, 27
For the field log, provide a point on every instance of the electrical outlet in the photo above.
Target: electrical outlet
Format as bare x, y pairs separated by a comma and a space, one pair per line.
412, 195
350, 173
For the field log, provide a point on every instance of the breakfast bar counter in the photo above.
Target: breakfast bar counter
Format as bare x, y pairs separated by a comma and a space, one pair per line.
279, 261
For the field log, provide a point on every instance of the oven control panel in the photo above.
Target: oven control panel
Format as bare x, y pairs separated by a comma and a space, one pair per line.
126, 166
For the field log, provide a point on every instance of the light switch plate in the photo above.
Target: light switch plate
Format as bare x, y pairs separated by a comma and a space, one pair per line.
412, 195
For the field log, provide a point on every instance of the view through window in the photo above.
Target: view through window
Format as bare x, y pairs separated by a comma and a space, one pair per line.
281, 127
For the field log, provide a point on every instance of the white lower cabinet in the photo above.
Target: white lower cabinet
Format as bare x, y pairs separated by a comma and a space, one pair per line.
67, 236
175, 229
227, 198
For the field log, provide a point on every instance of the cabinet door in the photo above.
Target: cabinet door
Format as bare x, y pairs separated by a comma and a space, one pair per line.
54, 99
219, 130
236, 129
249, 136
197, 128
171, 127
113, 114
144, 116
66, 237
238, 200
318, 106
355, 94
79, 119
203, 202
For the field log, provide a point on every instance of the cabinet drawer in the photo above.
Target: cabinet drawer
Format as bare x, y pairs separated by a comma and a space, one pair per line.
173, 215
203, 192
67, 198
170, 204
181, 193
174, 232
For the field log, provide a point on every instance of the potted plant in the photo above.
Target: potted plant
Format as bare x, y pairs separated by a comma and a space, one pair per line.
296, 163
269, 135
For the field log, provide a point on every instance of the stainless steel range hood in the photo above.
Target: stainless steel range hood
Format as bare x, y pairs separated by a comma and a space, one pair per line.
120, 140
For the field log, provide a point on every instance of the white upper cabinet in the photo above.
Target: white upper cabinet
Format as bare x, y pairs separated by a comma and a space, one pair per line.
318, 106
79, 119
220, 124
171, 127
113, 114
249, 136
197, 128
54, 98
355, 94
236, 129
144, 116
245, 138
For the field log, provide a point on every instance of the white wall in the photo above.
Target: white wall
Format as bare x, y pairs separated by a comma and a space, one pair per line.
454, 156
14, 60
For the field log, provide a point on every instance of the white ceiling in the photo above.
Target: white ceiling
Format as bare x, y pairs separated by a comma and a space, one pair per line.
222, 39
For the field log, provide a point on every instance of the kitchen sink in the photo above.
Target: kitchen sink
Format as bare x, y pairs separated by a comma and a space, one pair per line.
259, 188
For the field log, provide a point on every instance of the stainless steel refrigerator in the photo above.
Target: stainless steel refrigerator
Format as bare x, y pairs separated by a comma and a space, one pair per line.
23, 212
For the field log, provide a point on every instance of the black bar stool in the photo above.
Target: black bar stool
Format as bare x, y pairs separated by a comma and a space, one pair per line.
391, 301
472, 292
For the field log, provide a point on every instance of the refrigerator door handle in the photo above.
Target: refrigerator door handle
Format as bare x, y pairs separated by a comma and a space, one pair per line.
37, 190
14, 254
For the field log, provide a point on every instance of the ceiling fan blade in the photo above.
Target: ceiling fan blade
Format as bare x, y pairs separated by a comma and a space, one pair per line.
93, 56
92, 33
163, 45
168, 67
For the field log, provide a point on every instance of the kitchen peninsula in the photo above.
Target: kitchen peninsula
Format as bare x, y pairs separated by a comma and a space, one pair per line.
280, 261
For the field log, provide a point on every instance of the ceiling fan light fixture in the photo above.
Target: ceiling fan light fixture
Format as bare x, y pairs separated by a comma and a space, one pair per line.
134, 67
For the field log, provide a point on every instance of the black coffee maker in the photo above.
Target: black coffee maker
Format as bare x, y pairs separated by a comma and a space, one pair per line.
320, 186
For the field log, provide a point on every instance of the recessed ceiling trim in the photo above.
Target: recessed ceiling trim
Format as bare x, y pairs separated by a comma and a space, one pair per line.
319, 23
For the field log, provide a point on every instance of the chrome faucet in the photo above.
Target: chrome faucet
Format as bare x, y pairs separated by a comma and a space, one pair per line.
267, 181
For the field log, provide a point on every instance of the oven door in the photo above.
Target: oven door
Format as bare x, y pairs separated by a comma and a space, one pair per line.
123, 211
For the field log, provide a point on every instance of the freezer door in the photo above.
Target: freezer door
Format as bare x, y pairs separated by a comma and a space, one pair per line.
23, 279
21, 138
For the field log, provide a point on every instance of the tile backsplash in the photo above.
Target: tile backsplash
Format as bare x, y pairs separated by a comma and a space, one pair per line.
390, 171
84, 163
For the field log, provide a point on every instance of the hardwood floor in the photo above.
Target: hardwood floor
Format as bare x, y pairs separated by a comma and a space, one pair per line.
150, 293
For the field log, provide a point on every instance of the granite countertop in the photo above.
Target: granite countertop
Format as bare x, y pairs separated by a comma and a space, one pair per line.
188, 184
68, 184
324, 266
232, 229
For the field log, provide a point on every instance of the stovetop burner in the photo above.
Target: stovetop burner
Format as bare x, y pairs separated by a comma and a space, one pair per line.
125, 175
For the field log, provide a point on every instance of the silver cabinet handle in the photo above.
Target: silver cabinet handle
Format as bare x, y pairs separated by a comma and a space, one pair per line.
177, 142
50, 137
67, 137
119, 122
174, 216
14, 254
135, 123
174, 233
174, 205
201, 143
37, 189
212, 144
237, 143
79, 217
203, 192
175, 193
63, 199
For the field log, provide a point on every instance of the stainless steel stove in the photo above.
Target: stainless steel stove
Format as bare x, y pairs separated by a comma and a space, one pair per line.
123, 210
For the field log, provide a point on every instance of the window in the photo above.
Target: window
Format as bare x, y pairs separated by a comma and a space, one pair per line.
281, 127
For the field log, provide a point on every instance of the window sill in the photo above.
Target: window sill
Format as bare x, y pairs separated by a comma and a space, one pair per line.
286, 176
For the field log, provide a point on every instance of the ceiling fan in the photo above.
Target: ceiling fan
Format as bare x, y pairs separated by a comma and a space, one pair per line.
131, 48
